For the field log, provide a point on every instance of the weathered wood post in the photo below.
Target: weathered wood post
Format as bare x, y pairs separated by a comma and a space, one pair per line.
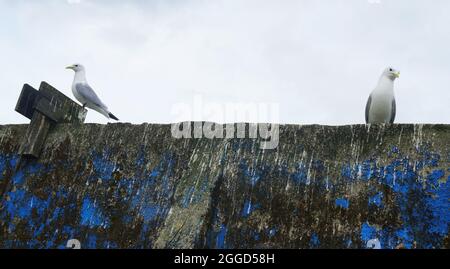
45, 108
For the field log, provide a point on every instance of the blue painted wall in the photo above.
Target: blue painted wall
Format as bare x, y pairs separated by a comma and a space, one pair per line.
112, 197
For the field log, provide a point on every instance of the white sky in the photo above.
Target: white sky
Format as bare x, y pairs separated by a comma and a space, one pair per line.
318, 59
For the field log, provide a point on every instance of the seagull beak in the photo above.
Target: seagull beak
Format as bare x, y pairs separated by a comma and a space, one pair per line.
397, 74
70, 67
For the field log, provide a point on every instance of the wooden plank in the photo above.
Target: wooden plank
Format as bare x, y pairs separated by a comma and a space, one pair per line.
36, 135
28, 97
45, 108
68, 110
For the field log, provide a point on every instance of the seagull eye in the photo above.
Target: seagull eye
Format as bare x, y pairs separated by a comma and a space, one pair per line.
390, 70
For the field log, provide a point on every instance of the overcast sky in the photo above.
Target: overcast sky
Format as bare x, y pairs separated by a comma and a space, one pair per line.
317, 59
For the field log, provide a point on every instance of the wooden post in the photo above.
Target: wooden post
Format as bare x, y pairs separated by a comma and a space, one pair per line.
35, 136
45, 108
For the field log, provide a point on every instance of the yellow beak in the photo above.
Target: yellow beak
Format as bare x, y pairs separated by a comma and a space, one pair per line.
397, 74
70, 67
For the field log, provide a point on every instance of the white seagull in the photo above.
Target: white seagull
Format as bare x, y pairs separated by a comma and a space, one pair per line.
85, 94
380, 107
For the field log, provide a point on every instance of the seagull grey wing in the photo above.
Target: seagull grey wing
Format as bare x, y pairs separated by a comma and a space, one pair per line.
393, 111
369, 102
88, 93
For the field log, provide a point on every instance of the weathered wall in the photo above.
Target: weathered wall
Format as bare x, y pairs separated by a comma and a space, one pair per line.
129, 186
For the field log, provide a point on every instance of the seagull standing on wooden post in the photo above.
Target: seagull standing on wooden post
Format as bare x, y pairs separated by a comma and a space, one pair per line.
85, 94
381, 107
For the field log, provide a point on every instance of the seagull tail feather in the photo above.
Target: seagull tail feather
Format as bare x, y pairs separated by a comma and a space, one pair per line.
112, 116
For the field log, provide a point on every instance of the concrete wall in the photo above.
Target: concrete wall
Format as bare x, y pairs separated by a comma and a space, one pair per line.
134, 186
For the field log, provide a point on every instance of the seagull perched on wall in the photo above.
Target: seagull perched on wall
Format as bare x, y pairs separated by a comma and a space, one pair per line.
380, 107
85, 94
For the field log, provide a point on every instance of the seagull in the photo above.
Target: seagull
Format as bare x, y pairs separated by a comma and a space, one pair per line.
380, 107
85, 94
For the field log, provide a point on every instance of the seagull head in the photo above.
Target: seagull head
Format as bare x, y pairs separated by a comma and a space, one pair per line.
391, 73
76, 67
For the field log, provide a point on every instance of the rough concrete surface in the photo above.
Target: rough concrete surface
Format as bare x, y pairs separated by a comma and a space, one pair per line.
134, 186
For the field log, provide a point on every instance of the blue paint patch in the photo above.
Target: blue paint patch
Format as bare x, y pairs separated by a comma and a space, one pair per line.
18, 178
32, 169
439, 204
21, 204
404, 236
154, 173
314, 242
221, 236
69, 231
347, 172
25, 209
103, 167
423, 201
7, 162
300, 176
91, 241
150, 212
435, 176
376, 199
342, 202
13, 160
368, 232
92, 216
144, 201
